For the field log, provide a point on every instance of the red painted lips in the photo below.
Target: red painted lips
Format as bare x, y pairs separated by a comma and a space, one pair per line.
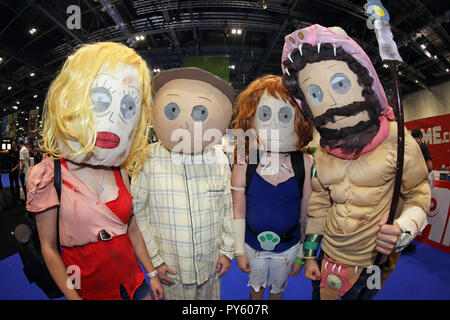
107, 140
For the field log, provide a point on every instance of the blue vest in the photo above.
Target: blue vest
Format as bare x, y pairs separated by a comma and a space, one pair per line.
273, 208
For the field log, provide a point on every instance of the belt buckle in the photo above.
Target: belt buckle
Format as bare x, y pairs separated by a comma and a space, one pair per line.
104, 236
268, 240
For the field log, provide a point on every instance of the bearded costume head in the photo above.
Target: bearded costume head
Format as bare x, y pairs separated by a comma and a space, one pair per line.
334, 83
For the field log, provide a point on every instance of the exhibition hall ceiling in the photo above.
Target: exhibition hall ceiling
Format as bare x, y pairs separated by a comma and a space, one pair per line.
35, 38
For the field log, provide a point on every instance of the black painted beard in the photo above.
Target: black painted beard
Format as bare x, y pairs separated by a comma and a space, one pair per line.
351, 140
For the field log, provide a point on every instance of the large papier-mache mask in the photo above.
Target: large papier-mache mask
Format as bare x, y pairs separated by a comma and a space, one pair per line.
98, 108
268, 108
334, 82
192, 108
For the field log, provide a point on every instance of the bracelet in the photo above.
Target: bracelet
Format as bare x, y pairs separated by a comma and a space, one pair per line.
299, 261
237, 189
311, 245
152, 274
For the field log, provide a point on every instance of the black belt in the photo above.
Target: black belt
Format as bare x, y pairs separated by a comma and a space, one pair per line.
104, 236
284, 237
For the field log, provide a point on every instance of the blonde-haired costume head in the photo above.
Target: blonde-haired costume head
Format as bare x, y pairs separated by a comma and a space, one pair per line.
69, 128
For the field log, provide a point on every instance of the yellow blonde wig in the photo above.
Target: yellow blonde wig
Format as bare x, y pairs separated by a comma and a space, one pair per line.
68, 114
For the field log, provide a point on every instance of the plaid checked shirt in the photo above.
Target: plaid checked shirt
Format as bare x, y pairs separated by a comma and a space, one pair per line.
184, 210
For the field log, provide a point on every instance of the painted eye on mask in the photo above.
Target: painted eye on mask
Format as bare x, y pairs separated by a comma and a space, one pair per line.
172, 111
285, 114
340, 83
315, 94
264, 113
199, 113
128, 107
101, 99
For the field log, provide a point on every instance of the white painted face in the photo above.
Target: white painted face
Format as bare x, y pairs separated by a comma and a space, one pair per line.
274, 124
116, 102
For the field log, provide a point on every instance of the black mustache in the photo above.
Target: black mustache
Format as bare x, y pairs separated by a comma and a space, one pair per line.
346, 111
337, 134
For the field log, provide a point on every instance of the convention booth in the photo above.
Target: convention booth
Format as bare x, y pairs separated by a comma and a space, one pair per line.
436, 134
437, 232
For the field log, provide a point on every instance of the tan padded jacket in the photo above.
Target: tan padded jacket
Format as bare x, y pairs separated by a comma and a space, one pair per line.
350, 197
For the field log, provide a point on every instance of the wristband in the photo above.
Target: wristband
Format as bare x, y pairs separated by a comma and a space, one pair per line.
311, 245
152, 274
239, 236
299, 261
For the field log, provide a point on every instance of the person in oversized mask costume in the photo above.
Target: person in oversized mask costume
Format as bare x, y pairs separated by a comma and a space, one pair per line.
182, 197
96, 118
270, 195
335, 84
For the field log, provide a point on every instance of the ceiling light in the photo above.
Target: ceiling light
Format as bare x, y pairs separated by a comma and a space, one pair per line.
423, 46
385, 66
239, 31
32, 74
435, 57
1, 59
233, 31
15, 107
447, 70
32, 31
35, 96
9, 88
264, 4
416, 81
232, 67
17, 102
399, 73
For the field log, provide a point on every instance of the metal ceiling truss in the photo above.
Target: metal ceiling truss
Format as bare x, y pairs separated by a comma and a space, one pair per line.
165, 23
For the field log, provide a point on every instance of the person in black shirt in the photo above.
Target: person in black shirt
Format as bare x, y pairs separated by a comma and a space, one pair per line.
14, 172
417, 134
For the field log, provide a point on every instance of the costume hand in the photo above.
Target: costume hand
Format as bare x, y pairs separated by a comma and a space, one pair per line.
312, 270
387, 236
162, 274
296, 269
157, 289
223, 265
243, 263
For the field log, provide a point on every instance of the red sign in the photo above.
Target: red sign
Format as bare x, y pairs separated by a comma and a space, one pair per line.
436, 134
437, 232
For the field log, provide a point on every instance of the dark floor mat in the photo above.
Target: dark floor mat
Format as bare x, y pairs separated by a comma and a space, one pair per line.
10, 218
